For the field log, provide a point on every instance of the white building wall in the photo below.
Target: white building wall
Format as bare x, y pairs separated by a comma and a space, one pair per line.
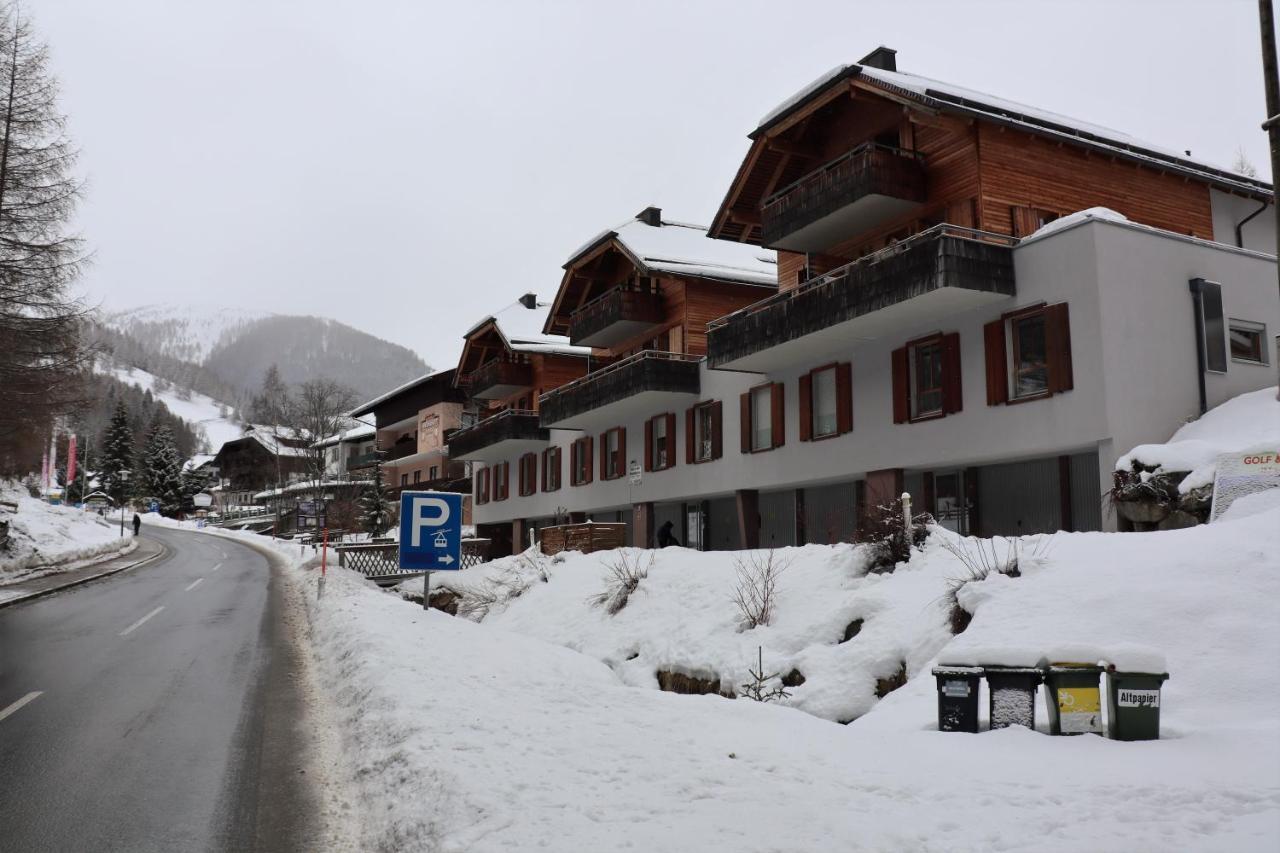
1259, 233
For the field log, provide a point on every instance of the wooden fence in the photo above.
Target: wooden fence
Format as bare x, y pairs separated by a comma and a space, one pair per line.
586, 537
381, 561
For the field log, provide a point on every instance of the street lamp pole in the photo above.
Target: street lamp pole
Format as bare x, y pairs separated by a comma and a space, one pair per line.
124, 479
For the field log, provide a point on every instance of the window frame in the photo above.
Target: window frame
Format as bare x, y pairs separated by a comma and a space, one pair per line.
482, 485
833, 370
501, 481
758, 393
552, 464
613, 460
913, 392
528, 479
580, 452
1013, 347
1258, 330
667, 422
699, 440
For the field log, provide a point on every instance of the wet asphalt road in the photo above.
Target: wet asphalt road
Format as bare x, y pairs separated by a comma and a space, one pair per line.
158, 708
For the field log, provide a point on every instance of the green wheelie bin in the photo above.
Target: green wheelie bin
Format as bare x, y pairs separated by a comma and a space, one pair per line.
1133, 704
958, 697
1073, 698
1011, 691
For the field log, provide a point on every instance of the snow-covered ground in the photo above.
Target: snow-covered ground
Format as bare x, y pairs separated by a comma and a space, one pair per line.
45, 538
533, 730
196, 409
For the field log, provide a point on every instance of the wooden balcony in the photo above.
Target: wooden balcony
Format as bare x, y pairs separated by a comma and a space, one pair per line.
362, 460
911, 285
499, 378
615, 316
840, 199
502, 436
400, 450
647, 382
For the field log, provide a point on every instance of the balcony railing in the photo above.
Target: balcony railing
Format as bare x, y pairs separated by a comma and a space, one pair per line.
499, 377
792, 218
511, 425
362, 460
616, 315
643, 372
945, 256
399, 450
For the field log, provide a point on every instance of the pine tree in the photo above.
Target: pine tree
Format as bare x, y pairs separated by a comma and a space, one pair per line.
375, 509
161, 471
116, 459
194, 481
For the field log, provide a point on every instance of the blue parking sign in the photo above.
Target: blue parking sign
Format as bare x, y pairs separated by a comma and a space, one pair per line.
430, 531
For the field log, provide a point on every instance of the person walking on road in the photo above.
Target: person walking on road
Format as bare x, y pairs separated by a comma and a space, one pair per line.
137, 524
666, 538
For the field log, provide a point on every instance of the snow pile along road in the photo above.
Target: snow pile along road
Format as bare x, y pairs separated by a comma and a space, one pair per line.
45, 538
474, 737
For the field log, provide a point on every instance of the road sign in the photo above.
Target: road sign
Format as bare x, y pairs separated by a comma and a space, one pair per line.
430, 531
154, 506
202, 500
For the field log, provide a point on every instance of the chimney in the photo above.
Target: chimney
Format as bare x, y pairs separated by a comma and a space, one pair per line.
884, 58
651, 216
529, 300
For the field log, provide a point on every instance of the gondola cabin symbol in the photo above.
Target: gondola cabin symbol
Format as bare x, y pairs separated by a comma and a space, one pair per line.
440, 540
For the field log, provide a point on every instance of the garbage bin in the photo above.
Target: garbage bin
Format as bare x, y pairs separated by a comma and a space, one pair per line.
958, 697
1073, 698
1011, 691
1133, 705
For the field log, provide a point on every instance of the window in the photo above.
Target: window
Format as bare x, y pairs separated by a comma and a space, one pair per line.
404, 479
1213, 324
826, 402
613, 453
1248, 342
528, 474
703, 432
417, 477
580, 461
501, 481
659, 442
761, 415
1028, 354
435, 472
926, 378
551, 469
1028, 220
482, 486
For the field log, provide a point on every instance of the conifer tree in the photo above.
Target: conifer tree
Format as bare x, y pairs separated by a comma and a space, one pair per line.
375, 509
116, 460
161, 470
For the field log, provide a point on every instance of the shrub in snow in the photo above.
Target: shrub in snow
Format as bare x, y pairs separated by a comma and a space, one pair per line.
885, 530
885, 686
981, 558
757, 589
626, 570
758, 688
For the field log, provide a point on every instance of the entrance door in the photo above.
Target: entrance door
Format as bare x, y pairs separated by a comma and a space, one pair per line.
948, 490
693, 526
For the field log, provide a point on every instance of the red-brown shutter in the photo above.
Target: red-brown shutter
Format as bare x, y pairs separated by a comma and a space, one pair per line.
778, 425
506, 480
952, 396
671, 439
648, 445
1058, 342
1024, 220
844, 397
482, 486
520, 468
546, 459
620, 456
717, 430
997, 363
806, 407
689, 435
744, 421
590, 458
901, 389
604, 455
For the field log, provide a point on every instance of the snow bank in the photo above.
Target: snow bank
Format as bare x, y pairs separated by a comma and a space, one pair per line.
45, 538
474, 737
1063, 222
1242, 424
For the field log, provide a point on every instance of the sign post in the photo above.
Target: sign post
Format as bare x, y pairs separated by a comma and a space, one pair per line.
430, 535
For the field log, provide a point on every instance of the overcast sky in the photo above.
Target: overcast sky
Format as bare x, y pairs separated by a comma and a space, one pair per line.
410, 167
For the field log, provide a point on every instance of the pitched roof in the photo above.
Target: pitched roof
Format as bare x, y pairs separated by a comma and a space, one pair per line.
948, 97
355, 433
521, 330
368, 406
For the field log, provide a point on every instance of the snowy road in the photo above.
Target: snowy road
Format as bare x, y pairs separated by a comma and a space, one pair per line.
153, 710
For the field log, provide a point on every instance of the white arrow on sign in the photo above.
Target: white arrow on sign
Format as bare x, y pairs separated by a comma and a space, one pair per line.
447, 559
419, 521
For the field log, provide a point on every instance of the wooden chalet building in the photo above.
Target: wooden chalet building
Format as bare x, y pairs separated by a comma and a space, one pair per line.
260, 459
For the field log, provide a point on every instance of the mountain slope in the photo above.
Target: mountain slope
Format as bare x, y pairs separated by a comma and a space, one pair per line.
188, 333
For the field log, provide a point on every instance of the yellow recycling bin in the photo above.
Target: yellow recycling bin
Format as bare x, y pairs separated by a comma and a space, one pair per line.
1074, 698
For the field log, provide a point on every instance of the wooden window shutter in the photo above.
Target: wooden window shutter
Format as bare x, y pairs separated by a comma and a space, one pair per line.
482, 486
901, 387
604, 455
506, 480
620, 455
648, 445
717, 430
523, 486
690, 434
952, 396
844, 397
806, 407
546, 459
744, 421
1024, 220
1058, 342
997, 363
671, 439
588, 457
778, 416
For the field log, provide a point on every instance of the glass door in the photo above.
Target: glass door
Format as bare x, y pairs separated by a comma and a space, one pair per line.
948, 492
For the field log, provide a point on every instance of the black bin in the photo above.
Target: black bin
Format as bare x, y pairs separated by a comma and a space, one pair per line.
1011, 692
958, 697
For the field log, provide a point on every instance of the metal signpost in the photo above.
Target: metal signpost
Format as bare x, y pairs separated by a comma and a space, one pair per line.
430, 535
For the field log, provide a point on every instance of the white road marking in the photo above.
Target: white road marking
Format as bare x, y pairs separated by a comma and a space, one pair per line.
136, 625
17, 706
195, 583
215, 568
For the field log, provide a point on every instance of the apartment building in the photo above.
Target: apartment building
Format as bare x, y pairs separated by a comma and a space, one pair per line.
977, 301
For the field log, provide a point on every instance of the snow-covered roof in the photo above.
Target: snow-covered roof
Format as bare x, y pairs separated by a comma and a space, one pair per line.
939, 94
684, 248
266, 435
308, 485
521, 329
356, 433
366, 407
196, 461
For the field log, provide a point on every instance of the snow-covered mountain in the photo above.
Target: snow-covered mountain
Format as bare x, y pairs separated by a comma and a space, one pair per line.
214, 418
186, 332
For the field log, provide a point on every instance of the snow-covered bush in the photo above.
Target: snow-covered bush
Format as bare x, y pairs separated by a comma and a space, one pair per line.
626, 569
757, 589
885, 530
980, 558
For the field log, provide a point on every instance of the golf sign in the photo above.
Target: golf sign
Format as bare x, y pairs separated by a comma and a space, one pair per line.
430, 531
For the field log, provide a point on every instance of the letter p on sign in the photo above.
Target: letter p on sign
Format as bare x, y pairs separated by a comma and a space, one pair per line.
430, 531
